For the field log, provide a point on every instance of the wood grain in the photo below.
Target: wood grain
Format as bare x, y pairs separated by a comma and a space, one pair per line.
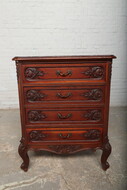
64, 104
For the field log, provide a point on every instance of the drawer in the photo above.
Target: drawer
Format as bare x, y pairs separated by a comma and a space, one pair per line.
38, 73
87, 94
84, 135
64, 126
82, 115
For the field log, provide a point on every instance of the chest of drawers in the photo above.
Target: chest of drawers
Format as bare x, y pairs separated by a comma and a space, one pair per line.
64, 104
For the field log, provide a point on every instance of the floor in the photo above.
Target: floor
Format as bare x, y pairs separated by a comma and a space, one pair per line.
48, 171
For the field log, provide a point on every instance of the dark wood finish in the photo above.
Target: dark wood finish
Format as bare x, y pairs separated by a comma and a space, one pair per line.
64, 104
40, 136
106, 152
39, 95
66, 58
72, 115
23, 153
34, 73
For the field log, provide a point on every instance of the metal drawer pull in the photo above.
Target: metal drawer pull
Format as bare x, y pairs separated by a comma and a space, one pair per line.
69, 72
60, 116
64, 96
65, 136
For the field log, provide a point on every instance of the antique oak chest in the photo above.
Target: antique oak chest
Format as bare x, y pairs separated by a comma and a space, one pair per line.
64, 104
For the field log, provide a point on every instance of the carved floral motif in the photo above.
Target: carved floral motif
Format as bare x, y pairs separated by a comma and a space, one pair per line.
93, 115
64, 149
32, 73
93, 94
92, 134
34, 95
36, 116
95, 72
36, 135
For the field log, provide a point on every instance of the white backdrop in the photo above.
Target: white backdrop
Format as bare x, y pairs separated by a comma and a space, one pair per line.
62, 27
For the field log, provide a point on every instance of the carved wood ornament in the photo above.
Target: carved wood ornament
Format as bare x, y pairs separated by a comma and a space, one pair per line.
36, 116
93, 115
92, 134
95, 72
17, 70
37, 135
110, 70
32, 73
34, 95
64, 149
93, 94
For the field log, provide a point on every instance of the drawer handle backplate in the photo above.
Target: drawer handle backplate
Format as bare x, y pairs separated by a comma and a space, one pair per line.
65, 136
59, 73
64, 96
60, 116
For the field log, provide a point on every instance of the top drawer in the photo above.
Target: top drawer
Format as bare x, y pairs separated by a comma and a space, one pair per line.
40, 72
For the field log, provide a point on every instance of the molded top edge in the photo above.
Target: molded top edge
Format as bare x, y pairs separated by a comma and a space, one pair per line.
78, 57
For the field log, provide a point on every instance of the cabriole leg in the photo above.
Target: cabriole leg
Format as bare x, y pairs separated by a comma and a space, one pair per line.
23, 153
105, 154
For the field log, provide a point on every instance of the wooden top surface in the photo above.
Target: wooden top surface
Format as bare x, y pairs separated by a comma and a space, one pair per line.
50, 58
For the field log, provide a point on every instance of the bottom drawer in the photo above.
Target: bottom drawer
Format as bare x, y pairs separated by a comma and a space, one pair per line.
39, 135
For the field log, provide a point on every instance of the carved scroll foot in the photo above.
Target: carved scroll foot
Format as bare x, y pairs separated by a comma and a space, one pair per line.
23, 153
105, 154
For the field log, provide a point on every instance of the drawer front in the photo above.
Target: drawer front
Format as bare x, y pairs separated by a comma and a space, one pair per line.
51, 126
37, 95
39, 73
88, 115
84, 135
